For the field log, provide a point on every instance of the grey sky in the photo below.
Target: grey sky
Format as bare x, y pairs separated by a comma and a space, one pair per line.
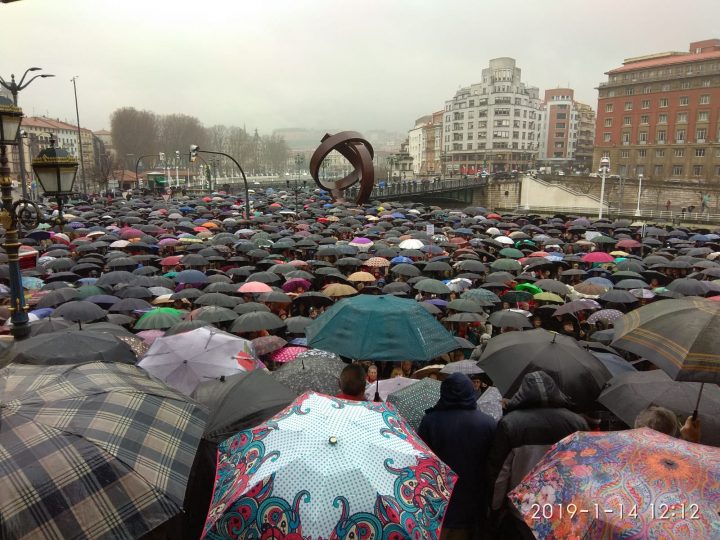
282, 63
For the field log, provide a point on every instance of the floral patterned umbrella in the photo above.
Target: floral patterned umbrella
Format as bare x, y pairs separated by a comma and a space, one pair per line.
637, 483
297, 476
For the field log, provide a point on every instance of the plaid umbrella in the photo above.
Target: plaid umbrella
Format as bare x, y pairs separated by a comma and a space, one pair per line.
412, 401
92, 451
638, 483
297, 476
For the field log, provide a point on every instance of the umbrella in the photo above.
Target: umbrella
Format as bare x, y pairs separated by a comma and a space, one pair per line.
314, 370
130, 304
183, 361
287, 354
304, 461
412, 401
508, 357
80, 311
637, 483
217, 299
70, 347
240, 401
191, 276
57, 297
507, 318
608, 315
490, 402
627, 394
213, 314
598, 257
114, 464
468, 367
297, 325
577, 305
267, 344
384, 328
336, 290
159, 319
254, 287
482, 295
256, 321
387, 386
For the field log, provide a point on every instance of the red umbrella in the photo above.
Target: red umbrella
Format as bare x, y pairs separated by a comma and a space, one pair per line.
286, 354
128, 232
253, 287
171, 261
598, 257
628, 243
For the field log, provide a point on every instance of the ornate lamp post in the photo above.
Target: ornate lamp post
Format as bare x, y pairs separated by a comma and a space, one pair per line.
12, 214
604, 170
56, 171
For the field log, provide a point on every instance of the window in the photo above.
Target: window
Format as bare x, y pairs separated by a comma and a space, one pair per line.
697, 170
643, 137
640, 169
684, 100
685, 84
560, 125
561, 116
644, 119
469, 146
706, 83
606, 137
629, 91
645, 104
701, 134
627, 121
608, 122
660, 136
658, 171
626, 138
679, 152
628, 105
699, 152
608, 107
559, 134
642, 153
677, 170
679, 135
704, 100
660, 153
703, 116
647, 89
717, 152
682, 118
662, 119
624, 154
665, 87
663, 102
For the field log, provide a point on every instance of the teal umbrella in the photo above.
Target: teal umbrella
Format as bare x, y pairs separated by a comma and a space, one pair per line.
381, 328
159, 319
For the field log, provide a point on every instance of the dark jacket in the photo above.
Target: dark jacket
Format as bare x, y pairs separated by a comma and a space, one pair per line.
460, 435
537, 414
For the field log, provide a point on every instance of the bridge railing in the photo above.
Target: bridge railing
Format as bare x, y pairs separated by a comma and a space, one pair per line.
613, 212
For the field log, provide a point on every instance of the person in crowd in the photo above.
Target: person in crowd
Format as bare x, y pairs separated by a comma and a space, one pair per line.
352, 383
461, 436
372, 373
664, 420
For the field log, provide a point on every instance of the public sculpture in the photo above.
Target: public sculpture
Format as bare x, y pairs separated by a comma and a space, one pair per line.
359, 152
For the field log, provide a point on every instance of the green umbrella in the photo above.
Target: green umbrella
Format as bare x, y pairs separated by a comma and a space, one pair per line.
432, 286
383, 328
548, 297
508, 265
86, 291
485, 296
159, 319
529, 287
512, 253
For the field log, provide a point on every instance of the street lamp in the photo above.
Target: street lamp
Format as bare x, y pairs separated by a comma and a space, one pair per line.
299, 161
56, 171
195, 149
13, 213
14, 88
637, 209
296, 189
604, 170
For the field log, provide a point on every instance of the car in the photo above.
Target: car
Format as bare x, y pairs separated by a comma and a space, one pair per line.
561, 173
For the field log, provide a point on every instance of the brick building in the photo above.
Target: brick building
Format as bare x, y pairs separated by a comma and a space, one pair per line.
657, 115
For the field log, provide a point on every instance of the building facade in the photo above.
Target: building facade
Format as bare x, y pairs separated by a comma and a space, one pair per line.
566, 131
658, 116
493, 124
425, 145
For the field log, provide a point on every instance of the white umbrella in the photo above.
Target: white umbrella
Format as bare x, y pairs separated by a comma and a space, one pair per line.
411, 243
387, 387
185, 360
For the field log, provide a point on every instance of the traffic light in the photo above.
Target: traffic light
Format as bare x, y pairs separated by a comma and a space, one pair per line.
193, 152
162, 156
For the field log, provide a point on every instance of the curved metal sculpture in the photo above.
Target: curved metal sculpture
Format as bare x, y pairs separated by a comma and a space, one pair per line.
359, 152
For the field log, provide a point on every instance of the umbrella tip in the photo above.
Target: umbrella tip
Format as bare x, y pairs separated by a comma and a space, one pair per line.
332, 440
222, 378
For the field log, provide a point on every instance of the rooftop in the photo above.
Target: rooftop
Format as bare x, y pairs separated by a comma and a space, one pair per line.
699, 51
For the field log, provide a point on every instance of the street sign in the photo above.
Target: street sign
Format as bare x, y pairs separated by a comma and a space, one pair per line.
430, 229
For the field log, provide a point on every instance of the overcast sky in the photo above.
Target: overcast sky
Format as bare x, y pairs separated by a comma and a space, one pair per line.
377, 64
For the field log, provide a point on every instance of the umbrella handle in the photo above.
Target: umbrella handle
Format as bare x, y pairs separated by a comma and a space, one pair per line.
377, 391
695, 412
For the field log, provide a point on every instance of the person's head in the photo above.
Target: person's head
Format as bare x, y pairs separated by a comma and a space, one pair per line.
538, 390
658, 418
352, 380
456, 392
396, 372
372, 373
407, 367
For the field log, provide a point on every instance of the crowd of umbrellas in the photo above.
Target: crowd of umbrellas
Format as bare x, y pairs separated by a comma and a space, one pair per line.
182, 359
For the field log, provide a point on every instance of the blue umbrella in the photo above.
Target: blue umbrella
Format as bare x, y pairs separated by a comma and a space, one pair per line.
191, 276
42, 312
602, 282
401, 260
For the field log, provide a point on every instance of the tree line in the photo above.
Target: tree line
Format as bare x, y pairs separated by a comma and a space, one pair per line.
136, 133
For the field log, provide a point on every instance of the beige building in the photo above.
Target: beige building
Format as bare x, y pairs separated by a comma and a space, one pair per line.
425, 145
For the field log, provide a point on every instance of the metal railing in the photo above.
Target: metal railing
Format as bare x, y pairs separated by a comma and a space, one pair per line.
614, 212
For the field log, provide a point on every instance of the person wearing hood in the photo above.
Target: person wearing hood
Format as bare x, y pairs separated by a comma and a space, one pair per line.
536, 417
460, 435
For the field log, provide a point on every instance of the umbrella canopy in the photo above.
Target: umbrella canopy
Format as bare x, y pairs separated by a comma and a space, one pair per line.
96, 470
627, 394
267, 344
256, 321
287, 354
70, 347
312, 370
507, 318
413, 400
385, 387
637, 483
679, 336
508, 357
159, 319
468, 367
304, 460
240, 401
80, 311
185, 360
384, 328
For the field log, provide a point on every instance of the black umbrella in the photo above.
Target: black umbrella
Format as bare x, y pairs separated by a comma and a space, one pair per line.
214, 314
508, 357
509, 319
71, 347
217, 299
256, 321
48, 325
297, 325
80, 311
57, 297
689, 287
130, 304
240, 401
618, 297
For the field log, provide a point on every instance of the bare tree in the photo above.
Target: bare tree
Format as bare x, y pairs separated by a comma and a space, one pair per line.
134, 132
179, 131
275, 153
